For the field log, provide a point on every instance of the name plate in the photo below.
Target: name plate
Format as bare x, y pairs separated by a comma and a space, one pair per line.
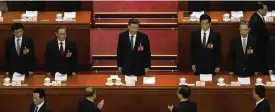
200, 83
235, 83
56, 83
271, 84
16, 83
130, 83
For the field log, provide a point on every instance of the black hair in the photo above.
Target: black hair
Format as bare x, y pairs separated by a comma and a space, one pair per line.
16, 26
185, 91
205, 17
41, 92
133, 21
260, 91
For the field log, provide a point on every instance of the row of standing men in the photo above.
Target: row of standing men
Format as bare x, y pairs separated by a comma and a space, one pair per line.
249, 53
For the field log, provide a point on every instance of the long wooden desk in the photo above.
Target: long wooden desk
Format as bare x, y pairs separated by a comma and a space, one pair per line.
227, 29
141, 98
44, 30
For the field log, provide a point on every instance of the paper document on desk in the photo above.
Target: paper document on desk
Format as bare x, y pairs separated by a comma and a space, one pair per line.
272, 78
60, 77
31, 13
205, 77
273, 13
130, 78
245, 81
269, 14
70, 14
237, 14
18, 77
149, 80
198, 14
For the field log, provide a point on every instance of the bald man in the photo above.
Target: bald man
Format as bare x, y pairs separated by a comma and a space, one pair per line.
87, 104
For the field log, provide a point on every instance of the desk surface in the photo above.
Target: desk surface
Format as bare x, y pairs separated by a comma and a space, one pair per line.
216, 17
141, 98
162, 81
82, 17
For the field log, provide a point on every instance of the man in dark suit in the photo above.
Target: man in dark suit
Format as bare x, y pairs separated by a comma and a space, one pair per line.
258, 29
262, 104
61, 54
205, 48
271, 56
243, 53
87, 104
39, 104
133, 50
185, 104
19, 52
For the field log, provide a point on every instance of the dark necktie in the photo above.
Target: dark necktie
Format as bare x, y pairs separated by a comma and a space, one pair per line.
204, 39
61, 48
132, 41
18, 47
36, 109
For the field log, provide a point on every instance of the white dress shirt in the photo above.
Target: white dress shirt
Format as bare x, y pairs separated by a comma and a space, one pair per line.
261, 16
207, 35
257, 103
134, 39
20, 41
39, 106
63, 44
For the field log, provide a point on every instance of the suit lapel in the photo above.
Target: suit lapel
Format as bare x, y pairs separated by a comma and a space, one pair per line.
42, 109
22, 47
13, 46
137, 42
209, 38
56, 46
66, 46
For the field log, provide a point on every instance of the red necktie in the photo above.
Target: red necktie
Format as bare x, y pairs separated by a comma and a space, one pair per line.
61, 49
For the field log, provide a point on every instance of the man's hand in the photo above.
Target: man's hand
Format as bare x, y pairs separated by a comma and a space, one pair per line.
231, 73
30, 72
194, 68
217, 70
48, 74
270, 72
73, 73
100, 105
146, 70
170, 108
120, 69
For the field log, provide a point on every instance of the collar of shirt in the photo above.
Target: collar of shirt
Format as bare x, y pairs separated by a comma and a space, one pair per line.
260, 16
15, 38
132, 35
39, 106
207, 31
63, 42
183, 100
259, 102
244, 37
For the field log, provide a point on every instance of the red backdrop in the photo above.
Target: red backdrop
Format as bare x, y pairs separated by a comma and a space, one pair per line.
135, 6
104, 42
